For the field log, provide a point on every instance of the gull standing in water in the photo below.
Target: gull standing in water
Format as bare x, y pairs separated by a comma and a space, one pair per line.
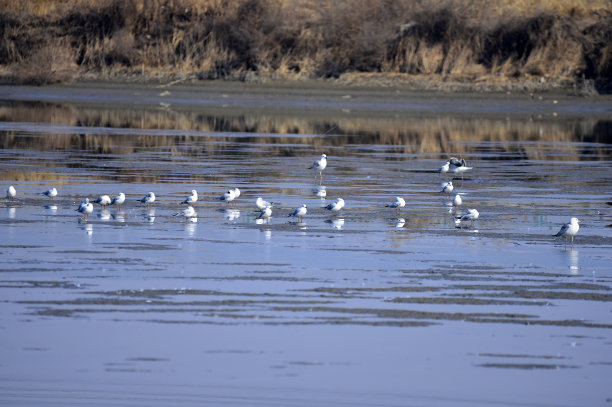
103, 200
336, 206
51, 193
265, 214
471, 215
319, 165
457, 201
448, 187
86, 209
188, 212
118, 200
11, 192
299, 212
261, 204
228, 197
191, 199
444, 169
83, 204
569, 230
148, 198
398, 203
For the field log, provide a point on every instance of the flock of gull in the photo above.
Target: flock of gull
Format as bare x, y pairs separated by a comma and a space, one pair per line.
453, 165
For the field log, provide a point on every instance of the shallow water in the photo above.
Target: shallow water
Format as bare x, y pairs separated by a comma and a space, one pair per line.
139, 307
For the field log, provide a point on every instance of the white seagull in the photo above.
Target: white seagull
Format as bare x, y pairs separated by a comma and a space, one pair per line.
188, 212
569, 230
261, 204
51, 193
86, 209
335, 206
11, 192
444, 169
448, 187
193, 198
319, 165
236, 193
398, 203
83, 204
265, 214
228, 197
457, 201
148, 198
118, 200
471, 215
299, 212
103, 200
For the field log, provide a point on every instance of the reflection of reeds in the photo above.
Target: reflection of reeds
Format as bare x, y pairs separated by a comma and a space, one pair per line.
433, 136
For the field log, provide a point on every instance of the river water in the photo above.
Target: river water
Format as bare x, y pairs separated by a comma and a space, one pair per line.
371, 306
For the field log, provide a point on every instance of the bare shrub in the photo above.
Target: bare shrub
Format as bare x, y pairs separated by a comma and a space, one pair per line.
51, 63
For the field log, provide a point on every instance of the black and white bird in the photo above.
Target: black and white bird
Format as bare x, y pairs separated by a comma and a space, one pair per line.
569, 229
191, 199
398, 203
103, 200
51, 193
319, 165
448, 187
11, 192
471, 215
261, 204
336, 206
148, 198
188, 213
118, 200
299, 212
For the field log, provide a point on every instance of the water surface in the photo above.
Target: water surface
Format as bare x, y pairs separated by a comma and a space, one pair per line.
371, 306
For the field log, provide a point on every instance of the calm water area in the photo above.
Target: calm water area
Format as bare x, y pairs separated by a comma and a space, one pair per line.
371, 306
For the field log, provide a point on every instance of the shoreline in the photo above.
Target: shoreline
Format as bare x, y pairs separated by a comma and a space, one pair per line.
309, 96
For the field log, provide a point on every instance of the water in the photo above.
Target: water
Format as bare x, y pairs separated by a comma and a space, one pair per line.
139, 307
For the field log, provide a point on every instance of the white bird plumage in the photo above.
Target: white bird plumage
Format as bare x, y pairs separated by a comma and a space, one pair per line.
148, 198
444, 169
448, 187
193, 198
265, 214
471, 215
118, 200
299, 212
228, 197
51, 193
335, 206
457, 200
103, 200
261, 204
188, 212
569, 229
319, 165
398, 203
83, 203
11, 192
86, 209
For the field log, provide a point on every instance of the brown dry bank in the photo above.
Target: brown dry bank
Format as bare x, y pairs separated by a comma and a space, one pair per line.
481, 45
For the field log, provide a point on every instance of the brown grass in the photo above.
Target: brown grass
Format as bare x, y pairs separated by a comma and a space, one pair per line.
561, 40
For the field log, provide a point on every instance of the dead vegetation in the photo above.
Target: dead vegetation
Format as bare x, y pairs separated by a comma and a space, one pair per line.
495, 41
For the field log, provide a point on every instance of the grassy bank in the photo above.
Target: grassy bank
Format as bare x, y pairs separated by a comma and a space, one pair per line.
449, 44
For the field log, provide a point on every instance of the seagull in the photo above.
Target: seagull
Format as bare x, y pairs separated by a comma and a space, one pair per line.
261, 204
83, 204
86, 209
11, 192
319, 165
193, 198
569, 230
444, 168
265, 214
335, 206
228, 197
398, 203
471, 215
457, 201
456, 162
188, 212
148, 198
51, 193
118, 200
448, 187
103, 200
299, 212
237, 192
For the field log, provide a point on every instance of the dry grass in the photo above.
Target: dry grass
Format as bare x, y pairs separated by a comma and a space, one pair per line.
559, 40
